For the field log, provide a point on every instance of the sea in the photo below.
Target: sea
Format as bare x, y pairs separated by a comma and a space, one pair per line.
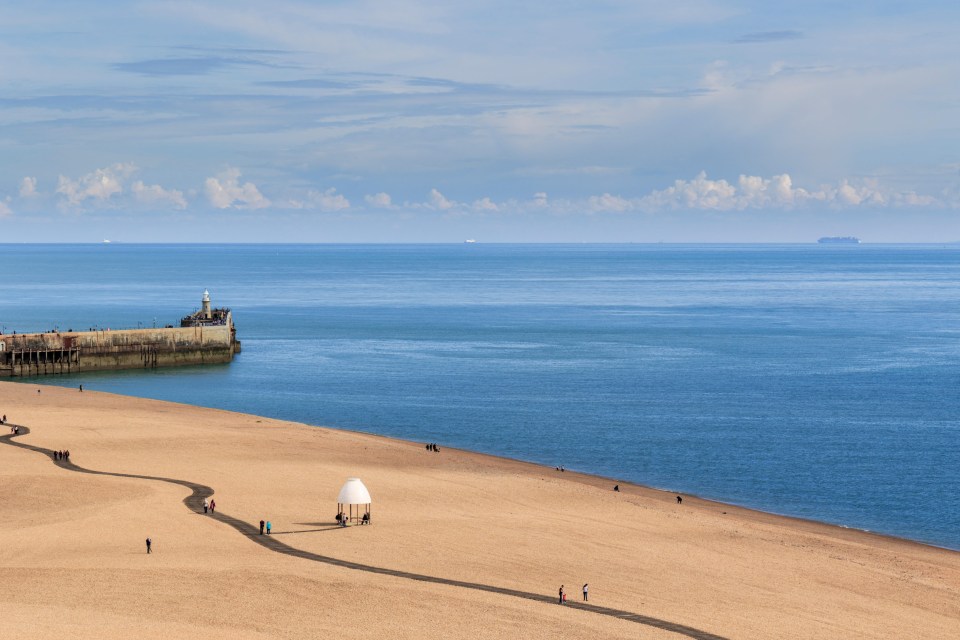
818, 381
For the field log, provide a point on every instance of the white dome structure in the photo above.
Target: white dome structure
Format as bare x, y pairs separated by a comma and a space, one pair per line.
356, 499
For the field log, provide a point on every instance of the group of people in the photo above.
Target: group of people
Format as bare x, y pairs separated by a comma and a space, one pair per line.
210, 505
433, 447
63, 454
14, 429
563, 594
343, 519
266, 525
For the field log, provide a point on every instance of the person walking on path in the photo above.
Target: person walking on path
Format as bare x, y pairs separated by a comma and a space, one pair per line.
213, 505
268, 527
261, 527
206, 505
149, 542
586, 588
562, 594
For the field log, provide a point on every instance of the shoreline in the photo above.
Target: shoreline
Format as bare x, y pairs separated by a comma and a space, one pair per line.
592, 479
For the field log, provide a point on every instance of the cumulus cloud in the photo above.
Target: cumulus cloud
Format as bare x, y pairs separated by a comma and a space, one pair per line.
156, 195
97, 186
699, 193
28, 187
328, 200
380, 200
485, 204
778, 192
608, 202
225, 191
439, 201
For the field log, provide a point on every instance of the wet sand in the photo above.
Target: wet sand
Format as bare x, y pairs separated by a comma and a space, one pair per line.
471, 545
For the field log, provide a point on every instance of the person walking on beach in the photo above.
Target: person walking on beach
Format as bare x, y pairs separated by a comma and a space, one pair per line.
679, 499
269, 526
586, 588
213, 505
562, 594
149, 542
206, 505
261, 527
81, 388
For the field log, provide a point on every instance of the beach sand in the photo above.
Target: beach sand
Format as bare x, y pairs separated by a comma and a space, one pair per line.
73, 561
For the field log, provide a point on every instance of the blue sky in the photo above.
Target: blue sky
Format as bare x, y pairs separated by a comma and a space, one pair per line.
423, 121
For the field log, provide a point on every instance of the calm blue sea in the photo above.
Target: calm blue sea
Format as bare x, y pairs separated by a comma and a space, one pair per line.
814, 381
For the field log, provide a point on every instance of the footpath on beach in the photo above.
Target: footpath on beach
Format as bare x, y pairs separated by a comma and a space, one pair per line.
200, 492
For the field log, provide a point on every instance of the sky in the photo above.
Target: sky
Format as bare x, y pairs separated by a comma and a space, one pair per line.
427, 121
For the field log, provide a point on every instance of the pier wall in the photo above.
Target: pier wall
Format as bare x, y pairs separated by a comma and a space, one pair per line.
72, 352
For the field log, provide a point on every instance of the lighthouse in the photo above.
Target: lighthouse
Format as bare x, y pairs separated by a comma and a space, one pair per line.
205, 305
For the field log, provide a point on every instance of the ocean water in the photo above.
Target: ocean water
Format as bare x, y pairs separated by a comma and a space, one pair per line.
814, 381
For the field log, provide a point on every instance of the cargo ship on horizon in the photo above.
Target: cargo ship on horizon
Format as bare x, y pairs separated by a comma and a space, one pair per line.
839, 240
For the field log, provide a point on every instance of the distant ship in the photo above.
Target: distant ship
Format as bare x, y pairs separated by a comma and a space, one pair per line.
470, 241
839, 240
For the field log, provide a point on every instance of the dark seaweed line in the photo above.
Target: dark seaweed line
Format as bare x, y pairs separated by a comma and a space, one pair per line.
198, 492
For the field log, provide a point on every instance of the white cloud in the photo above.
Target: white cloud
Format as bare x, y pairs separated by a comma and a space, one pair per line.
98, 186
5, 210
608, 202
485, 204
699, 193
225, 191
328, 200
849, 195
439, 201
778, 192
381, 200
155, 194
28, 187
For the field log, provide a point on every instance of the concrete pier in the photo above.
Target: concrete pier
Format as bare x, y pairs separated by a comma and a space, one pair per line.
205, 337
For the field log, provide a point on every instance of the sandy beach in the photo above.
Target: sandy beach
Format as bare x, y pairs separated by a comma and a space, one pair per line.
461, 545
